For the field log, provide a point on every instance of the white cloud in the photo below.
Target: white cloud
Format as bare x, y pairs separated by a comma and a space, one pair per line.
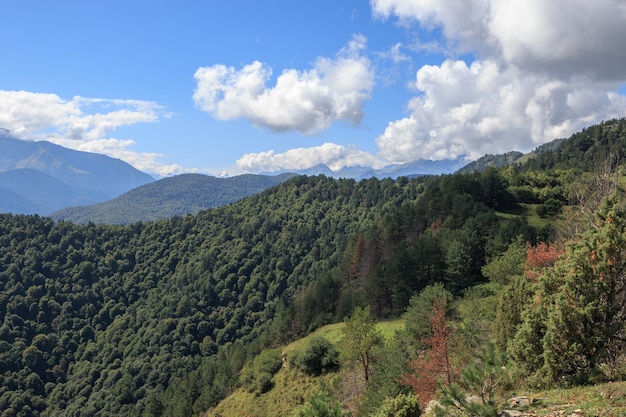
333, 155
484, 108
396, 55
544, 69
564, 37
305, 101
462, 21
556, 35
82, 124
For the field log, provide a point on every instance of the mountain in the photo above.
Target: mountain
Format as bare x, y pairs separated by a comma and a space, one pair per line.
490, 160
420, 167
29, 191
173, 196
512, 157
44, 177
189, 193
409, 169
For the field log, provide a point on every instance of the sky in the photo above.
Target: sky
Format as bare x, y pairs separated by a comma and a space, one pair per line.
251, 86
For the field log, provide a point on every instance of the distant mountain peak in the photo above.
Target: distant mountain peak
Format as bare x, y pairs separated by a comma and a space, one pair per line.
413, 168
74, 177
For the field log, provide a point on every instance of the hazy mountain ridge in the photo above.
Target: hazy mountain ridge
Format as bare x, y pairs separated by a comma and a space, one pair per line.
38, 192
189, 193
172, 196
48, 177
409, 169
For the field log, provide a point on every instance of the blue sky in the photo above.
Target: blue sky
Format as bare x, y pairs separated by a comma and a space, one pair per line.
261, 86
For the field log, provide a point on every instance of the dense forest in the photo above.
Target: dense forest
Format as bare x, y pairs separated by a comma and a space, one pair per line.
159, 318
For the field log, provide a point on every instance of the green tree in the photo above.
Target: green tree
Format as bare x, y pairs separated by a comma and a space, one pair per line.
257, 376
576, 321
390, 366
485, 380
512, 301
494, 187
360, 337
503, 268
417, 316
464, 257
125, 389
586, 323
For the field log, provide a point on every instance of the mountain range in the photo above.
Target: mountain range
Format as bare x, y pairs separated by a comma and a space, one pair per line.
41, 177
409, 169
172, 196
47, 179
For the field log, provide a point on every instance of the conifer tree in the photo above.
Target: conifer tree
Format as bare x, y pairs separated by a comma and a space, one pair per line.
586, 321
480, 386
576, 319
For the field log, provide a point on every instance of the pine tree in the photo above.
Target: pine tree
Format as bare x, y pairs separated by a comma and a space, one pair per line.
481, 384
576, 320
586, 324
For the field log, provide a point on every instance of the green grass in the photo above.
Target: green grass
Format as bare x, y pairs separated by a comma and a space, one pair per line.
333, 333
603, 400
529, 211
292, 388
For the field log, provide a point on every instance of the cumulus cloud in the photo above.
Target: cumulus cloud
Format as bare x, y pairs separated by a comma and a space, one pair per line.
565, 37
304, 101
573, 36
543, 70
484, 108
333, 155
81, 123
461, 21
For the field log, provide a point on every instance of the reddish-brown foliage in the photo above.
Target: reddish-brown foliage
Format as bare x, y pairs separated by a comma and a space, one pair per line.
540, 257
432, 366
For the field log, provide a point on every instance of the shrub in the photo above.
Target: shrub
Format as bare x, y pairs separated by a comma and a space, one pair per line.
257, 376
404, 405
317, 357
321, 405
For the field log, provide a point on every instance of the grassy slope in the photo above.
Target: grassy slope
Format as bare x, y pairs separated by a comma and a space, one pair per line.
292, 388
529, 211
603, 400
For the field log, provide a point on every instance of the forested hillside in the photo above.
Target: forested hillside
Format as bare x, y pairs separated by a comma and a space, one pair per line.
159, 318
170, 197
98, 318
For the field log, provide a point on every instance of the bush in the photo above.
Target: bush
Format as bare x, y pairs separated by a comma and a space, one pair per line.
257, 376
404, 405
317, 357
321, 405
551, 207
